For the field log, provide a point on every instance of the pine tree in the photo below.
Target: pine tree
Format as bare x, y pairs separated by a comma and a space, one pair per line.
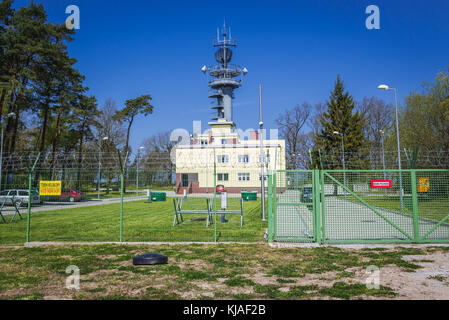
340, 117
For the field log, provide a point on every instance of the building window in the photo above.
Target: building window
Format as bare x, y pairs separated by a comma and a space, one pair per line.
243, 176
224, 158
222, 176
224, 141
244, 158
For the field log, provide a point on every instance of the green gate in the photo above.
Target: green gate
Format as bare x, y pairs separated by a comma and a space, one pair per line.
357, 206
292, 205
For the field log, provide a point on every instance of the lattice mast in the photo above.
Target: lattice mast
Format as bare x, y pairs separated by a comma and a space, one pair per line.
224, 77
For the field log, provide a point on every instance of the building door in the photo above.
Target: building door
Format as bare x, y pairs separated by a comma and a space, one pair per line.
185, 180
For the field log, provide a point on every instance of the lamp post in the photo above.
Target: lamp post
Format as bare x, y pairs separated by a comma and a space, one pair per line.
99, 166
385, 87
383, 152
342, 156
9, 115
383, 155
137, 170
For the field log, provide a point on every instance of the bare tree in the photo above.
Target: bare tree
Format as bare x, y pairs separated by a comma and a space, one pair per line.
305, 146
290, 123
156, 159
109, 126
315, 118
378, 117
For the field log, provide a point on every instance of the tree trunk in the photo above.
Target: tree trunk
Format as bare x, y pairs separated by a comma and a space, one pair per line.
126, 150
2, 102
56, 138
44, 124
80, 152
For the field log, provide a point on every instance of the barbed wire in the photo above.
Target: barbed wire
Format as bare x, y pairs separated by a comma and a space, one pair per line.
364, 159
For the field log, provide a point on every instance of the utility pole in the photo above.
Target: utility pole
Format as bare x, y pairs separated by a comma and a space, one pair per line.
262, 157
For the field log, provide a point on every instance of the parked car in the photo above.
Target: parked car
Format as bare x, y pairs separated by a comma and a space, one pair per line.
220, 188
19, 195
69, 194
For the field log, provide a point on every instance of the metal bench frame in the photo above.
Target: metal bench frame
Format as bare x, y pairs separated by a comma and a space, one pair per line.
178, 219
16, 205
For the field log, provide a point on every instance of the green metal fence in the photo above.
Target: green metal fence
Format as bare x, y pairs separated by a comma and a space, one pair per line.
120, 214
356, 206
328, 206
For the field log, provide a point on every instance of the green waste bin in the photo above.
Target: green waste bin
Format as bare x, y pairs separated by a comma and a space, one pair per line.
158, 196
249, 196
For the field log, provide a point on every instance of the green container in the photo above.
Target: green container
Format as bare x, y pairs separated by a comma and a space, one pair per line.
158, 196
249, 196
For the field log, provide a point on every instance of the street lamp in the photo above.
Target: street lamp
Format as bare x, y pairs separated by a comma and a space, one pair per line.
9, 115
342, 156
383, 154
385, 87
137, 170
99, 166
383, 151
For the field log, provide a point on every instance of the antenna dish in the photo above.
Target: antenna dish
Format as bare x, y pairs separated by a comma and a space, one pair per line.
223, 54
244, 71
204, 69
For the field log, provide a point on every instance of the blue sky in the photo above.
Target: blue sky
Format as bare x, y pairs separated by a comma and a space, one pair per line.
295, 48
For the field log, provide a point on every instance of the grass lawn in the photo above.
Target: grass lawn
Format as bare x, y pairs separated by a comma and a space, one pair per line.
141, 222
113, 194
436, 209
200, 271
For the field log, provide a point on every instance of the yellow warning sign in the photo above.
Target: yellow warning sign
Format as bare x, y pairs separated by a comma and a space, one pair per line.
50, 188
423, 184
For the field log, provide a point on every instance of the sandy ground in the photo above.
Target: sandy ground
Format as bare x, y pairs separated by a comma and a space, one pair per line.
430, 282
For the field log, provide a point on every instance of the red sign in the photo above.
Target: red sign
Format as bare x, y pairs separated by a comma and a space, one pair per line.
381, 184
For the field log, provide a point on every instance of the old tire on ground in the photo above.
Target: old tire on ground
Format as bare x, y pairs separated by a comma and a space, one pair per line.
150, 259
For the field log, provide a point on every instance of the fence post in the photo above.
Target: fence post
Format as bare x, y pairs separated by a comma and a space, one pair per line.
317, 204
323, 209
274, 187
415, 207
30, 179
122, 166
215, 198
270, 207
